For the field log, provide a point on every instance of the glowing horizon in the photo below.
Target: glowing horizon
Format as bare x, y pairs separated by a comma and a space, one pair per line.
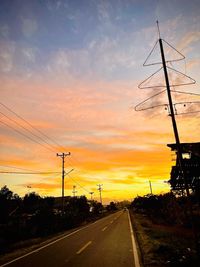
72, 71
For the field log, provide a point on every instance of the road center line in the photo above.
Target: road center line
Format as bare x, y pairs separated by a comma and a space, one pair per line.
104, 229
84, 247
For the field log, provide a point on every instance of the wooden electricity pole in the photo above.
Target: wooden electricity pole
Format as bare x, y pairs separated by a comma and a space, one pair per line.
100, 189
63, 155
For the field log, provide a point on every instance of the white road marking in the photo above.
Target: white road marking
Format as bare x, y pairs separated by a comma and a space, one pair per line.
47, 245
84, 247
104, 229
51, 243
135, 252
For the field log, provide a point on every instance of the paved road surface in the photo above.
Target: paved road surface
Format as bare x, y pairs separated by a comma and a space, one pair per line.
106, 243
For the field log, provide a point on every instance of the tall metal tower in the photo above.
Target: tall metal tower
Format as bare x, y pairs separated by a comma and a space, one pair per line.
171, 106
167, 84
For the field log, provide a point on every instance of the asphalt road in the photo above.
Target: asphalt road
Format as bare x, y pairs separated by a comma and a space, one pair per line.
104, 243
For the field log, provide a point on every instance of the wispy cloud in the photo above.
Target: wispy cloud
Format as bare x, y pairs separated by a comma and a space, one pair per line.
72, 70
185, 44
29, 26
7, 50
4, 31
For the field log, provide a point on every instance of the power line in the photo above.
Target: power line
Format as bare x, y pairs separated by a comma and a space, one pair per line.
37, 136
23, 169
78, 184
26, 136
14, 167
33, 134
10, 172
30, 125
50, 147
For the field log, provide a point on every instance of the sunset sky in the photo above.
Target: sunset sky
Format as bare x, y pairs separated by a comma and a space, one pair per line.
72, 69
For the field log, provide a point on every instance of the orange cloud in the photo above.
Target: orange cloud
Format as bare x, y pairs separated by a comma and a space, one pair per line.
109, 143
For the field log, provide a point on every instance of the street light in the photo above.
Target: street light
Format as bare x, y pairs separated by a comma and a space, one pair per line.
91, 193
66, 173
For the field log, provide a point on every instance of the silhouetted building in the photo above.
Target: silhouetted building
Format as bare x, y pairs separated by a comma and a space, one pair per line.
191, 165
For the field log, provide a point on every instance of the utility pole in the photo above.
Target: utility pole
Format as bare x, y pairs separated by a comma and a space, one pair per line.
63, 155
74, 191
91, 193
150, 187
100, 189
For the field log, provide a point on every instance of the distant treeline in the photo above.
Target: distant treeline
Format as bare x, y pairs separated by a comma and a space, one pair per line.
35, 216
168, 208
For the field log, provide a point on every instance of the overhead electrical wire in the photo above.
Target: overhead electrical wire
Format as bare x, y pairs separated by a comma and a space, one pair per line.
9, 126
23, 169
33, 136
21, 126
79, 184
10, 172
33, 127
17, 168
48, 145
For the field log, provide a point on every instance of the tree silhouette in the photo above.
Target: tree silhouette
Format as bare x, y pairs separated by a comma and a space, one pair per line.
8, 203
31, 202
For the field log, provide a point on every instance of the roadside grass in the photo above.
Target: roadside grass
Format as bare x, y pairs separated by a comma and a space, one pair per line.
163, 245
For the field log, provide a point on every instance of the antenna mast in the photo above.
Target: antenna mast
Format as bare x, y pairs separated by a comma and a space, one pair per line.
171, 113
158, 29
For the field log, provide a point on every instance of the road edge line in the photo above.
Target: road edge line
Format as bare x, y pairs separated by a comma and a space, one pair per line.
40, 248
135, 252
52, 242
